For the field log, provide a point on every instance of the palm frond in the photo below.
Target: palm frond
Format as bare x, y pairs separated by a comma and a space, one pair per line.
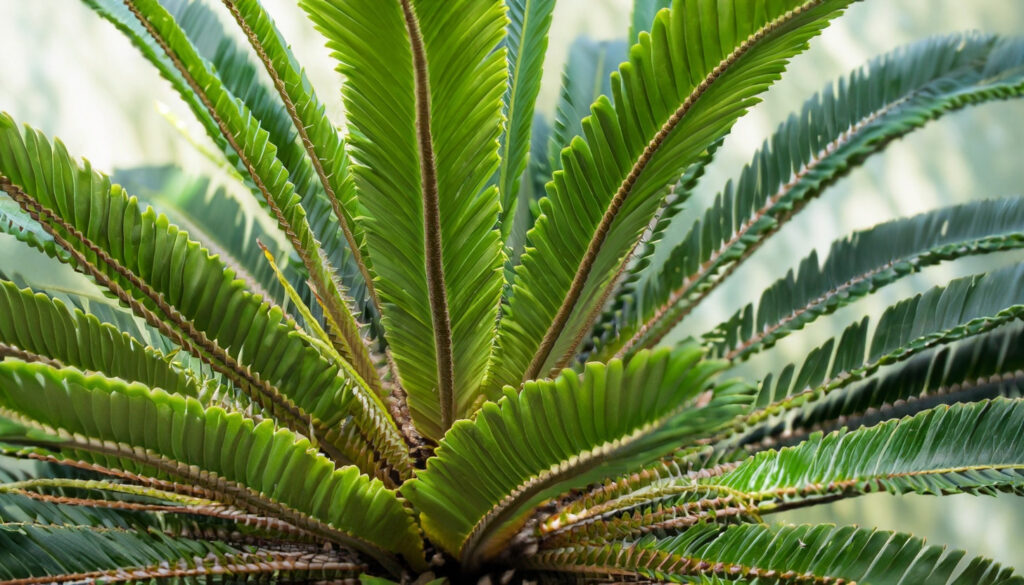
683, 88
964, 308
553, 436
988, 366
259, 157
526, 43
196, 301
834, 131
965, 448
466, 79
816, 555
268, 470
859, 265
44, 326
972, 448
230, 63
205, 209
319, 138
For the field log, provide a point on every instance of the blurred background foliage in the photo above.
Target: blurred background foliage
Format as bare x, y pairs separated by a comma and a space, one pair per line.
73, 76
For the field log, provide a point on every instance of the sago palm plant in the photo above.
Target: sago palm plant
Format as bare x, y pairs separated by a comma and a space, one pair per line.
433, 353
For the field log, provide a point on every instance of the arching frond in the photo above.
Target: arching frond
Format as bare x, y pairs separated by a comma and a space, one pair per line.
684, 86
553, 436
864, 262
964, 448
966, 307
258, 156
972, 448
231, 65
320, 143
988, 366
214, 216
197, 302
267, 470
526, 43
46, 327
815, 555
834, 131
31, 553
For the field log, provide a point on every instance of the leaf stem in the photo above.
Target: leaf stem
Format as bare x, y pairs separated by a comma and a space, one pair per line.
432, 223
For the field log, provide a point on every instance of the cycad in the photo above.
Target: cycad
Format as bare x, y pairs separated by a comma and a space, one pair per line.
448, 375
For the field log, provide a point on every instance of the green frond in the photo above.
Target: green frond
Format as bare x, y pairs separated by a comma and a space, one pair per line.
975, 448
467, 78
964, 308
20, 509
531, 189
833, 132
259, 157
526, 43
94, 303
231, 64
120, 16
811, 555
256, 344
16, 505
320, 142
31, 553
173, 435
684, 86
864, 262
623, 298
586, 76
988, 366
68, 553
41, 325
553, 436
14, 222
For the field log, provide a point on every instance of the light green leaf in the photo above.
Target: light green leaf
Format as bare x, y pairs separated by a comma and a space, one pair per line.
44, 326
489, 473
682, 89
267, 469
467, 77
